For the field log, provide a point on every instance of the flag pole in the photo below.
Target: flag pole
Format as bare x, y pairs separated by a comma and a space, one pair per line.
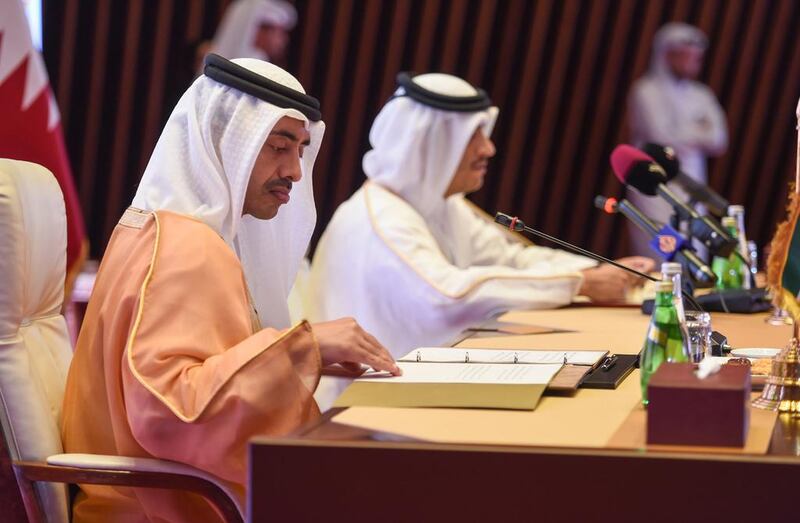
797, 156
797, 195
782, 391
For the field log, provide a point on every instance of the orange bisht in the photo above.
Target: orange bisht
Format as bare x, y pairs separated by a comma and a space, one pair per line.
172, 363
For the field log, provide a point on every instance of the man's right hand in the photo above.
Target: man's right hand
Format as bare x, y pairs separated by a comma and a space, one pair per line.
608, 284
604, 284
343, 341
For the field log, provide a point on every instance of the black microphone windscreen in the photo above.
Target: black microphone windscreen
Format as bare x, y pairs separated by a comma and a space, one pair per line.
600, 202
665, 157
645, 177
502, 219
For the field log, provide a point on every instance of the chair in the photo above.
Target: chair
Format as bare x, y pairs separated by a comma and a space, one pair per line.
35, 353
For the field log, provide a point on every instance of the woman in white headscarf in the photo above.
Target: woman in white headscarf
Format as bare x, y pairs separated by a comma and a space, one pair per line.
186, 350
670, 107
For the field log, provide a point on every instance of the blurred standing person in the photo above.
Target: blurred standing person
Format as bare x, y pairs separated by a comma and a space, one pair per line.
669, 106
252, 29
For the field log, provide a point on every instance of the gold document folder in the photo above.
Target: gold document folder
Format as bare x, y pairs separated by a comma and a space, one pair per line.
474, 378
462, 395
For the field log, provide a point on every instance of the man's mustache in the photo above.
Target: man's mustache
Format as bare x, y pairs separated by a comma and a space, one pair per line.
280, 182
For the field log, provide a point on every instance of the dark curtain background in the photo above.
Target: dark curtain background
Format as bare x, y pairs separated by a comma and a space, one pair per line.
558, 69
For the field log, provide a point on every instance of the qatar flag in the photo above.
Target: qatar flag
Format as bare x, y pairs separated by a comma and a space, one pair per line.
30, 125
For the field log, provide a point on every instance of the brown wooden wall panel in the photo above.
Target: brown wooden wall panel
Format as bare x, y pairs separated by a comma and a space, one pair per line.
122, 125
558, 69
97, 88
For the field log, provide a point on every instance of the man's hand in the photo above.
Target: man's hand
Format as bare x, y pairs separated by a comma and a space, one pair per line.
609, 284
640, 263
343, 341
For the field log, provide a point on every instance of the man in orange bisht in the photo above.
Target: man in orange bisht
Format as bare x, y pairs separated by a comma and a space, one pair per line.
186, 351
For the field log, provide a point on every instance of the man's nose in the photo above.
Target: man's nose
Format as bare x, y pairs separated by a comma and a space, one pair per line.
293, 170
488, 149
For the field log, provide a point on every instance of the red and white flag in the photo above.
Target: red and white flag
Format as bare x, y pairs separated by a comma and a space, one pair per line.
30, 124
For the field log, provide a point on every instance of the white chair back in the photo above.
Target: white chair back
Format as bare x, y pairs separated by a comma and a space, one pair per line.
35, 350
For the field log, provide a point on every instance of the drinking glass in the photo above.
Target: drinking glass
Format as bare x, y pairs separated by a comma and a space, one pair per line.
698, 326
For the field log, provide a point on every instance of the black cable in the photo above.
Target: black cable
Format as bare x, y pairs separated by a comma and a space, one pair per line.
694, 303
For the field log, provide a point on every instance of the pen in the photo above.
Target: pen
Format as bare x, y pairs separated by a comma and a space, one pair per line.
610, 361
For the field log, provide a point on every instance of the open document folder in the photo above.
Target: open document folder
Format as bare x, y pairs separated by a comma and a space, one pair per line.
467, 378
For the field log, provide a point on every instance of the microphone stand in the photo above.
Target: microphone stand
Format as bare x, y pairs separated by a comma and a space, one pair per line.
677, 222
517, 225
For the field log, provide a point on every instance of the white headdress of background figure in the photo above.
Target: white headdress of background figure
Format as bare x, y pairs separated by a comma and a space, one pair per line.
203, 160
235, 36
669, 36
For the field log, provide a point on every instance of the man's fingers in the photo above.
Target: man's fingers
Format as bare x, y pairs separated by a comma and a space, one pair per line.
629, 278
352, 367
640, 263
616, 293
620, 280
379, 359
375, 346
371, 340
343, 341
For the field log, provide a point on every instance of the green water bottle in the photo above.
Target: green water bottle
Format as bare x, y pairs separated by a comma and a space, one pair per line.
664, 340
737, 212
730, 271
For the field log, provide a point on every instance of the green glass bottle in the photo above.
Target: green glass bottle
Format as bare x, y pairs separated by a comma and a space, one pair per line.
730, 272
720, 268
737, 212
664, 340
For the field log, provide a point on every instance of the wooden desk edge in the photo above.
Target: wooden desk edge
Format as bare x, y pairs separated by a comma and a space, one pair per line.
519, 449
784, 445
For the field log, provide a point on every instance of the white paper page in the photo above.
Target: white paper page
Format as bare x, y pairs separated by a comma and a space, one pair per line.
467, 373
451, 355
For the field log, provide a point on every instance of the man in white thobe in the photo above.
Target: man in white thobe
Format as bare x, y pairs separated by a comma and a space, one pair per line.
669, 106
411, 259
251, 29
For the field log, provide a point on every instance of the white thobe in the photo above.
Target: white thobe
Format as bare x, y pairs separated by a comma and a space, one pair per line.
380, 262
685, 115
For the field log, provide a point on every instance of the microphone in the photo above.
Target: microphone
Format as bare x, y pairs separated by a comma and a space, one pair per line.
666, 241
637, 169
517, 225
666, 158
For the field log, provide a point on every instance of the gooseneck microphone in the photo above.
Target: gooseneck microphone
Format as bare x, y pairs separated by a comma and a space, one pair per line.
668, 160
666, 241
517, 225
637, 169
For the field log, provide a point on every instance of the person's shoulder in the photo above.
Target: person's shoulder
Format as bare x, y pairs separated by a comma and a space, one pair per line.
174, 223
645, 79
644, 86
394, 220
187, 238
700, 87
470, 210
385, 207
348, 217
